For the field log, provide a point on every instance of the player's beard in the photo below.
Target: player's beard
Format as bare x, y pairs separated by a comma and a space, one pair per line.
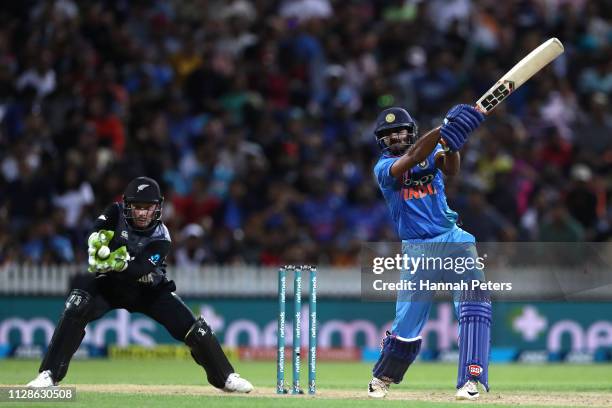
399, 142
398, 149
143, 220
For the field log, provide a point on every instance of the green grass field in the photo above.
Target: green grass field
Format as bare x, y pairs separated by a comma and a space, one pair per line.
169, 383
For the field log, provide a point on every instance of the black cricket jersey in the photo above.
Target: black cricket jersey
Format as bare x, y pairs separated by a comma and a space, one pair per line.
148, 249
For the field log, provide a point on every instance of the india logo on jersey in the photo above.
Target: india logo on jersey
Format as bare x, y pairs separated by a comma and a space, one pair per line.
418, 185
418, 191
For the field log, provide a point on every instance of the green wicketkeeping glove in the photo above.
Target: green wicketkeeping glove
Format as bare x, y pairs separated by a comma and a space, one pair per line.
99, 266
98, 239
118, 259
95, 241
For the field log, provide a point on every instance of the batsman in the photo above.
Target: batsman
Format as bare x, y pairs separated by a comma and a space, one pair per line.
409, 176
127, 253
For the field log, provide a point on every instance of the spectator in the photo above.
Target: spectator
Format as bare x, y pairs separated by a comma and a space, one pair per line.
41, 76
47, 246
481, 219
581, 199
560, 226
257, 118
191, 252
74, 196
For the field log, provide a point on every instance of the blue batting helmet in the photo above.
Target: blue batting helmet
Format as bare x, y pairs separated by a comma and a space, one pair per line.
391, 119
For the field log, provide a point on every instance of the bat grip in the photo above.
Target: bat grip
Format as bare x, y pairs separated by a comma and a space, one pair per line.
479, 109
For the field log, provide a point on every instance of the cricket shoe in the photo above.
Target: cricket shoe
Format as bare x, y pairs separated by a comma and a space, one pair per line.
43, 380
235, 383
469, 391
378, 388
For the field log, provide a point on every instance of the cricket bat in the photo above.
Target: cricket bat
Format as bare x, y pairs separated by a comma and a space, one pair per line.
519, 74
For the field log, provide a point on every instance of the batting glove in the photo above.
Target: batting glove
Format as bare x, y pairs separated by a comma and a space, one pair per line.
460, 121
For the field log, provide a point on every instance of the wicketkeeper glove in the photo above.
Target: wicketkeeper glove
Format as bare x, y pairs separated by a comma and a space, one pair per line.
117, 261
98, 266
460, 121
96, 241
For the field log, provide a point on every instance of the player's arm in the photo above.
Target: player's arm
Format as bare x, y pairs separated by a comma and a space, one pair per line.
448, 162
459, 123
108, 219
417, 152
150, 258
102, 234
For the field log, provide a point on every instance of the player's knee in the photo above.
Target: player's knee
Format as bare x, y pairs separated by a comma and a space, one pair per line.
475, 304
480, 310
396, 356
198, 333
206, 351
78, 304
476, 296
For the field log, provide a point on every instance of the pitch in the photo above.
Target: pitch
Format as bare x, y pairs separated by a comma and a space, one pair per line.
163, 383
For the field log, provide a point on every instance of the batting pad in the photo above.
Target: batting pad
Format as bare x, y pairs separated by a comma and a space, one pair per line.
474, 342
395, 358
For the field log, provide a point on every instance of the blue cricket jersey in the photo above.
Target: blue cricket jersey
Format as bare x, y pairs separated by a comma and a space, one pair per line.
416, 200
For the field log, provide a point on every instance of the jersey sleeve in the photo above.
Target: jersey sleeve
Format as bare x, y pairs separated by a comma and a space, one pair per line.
382, 171
151, 259
108, 219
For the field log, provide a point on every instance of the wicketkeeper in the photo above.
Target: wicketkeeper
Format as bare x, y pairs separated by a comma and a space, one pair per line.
127, 253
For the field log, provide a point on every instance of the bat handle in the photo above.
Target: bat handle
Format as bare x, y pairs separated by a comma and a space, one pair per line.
479, 109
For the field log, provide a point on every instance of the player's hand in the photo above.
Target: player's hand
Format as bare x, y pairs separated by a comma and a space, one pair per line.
97, 265
98, 239
95, 241
460, 121
118, 259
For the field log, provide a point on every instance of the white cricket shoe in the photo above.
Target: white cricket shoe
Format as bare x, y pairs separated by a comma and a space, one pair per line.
235, 383
378, 388
469, 391
43, 380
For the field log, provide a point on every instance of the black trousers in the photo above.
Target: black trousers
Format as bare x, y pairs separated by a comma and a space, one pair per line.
159, 303
106, 293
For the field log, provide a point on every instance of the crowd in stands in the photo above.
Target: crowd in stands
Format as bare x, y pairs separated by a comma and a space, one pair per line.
256, 117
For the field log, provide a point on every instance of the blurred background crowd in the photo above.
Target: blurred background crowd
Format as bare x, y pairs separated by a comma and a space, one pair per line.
256, 118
